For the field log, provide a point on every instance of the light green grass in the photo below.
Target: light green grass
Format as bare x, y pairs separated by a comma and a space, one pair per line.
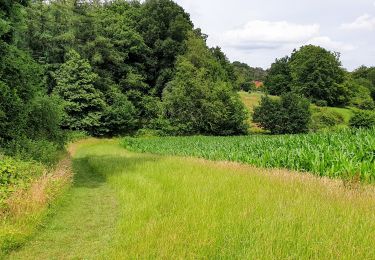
346, 113
135, 206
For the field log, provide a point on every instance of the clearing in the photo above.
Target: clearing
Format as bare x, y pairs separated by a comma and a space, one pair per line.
129, 205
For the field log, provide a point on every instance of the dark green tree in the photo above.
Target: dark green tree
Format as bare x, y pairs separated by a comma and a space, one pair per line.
119, 116
164, 26
200, 99
83, 103
279, 78
288, 115
316, 74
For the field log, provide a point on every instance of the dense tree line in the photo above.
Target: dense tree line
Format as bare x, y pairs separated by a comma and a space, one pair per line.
110, 68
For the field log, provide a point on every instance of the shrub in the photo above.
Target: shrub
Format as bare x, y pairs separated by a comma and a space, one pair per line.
15, 174
323, 118
363, 119
289, 115
119, 116
321, 103
42, 151
44, 119
72, 136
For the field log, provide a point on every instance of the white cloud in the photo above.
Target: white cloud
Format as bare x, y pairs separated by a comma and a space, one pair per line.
328, 43
364, 22
266, 34
278, 35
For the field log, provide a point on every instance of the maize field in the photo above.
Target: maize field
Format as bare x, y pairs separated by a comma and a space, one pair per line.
348, 154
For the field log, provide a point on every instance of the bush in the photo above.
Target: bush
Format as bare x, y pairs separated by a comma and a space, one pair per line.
15, 174
248, 86
289, 115
324, 118
363, 119
119, 116
321, 103
44, 120
72, 136
42, 151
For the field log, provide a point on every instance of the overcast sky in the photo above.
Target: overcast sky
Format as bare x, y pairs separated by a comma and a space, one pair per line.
258, 31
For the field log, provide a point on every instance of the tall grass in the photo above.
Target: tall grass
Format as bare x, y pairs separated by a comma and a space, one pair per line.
138, 206
346, 154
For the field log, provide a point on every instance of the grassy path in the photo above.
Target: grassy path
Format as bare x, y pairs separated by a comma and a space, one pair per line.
85, 220
125, 206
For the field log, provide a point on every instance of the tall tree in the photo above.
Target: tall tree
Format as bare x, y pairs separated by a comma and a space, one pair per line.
200, 99
317, 74
279, 78
83, 103
164, 26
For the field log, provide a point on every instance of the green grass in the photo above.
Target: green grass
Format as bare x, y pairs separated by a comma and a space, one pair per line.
251, 100
346, 113
126, 205
343, 154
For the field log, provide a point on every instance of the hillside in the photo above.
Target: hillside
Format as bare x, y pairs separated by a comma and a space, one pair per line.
253, 99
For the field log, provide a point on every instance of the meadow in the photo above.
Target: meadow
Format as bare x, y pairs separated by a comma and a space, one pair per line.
252, 100
347, 154
126, 205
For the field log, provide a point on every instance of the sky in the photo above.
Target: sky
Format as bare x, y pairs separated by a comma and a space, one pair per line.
259, 31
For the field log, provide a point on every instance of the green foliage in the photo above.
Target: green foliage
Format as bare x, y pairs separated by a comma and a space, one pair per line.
324, 118
359, 93
43, 122
73, 136
344, 154
164, 26
288, 115
366, 77
83, 103
279, 79
15, 174
120, 115
199, 99
317, 74
246, 75
43, 151
363, 119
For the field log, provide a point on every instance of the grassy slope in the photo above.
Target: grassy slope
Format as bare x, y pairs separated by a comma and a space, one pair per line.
252, 100
126, 205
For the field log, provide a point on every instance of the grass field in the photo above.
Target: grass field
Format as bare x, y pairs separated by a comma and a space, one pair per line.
126, 205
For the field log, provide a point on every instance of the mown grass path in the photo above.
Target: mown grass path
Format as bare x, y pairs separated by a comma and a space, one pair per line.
85, 220
137, 206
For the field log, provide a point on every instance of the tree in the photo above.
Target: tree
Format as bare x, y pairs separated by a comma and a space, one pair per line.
364, 73
246, 75
359, 93
288, 115
316, 74
199, 99
164, 26
220, 56
20, 76
279, 78
119, 116
83, 103
363, 119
